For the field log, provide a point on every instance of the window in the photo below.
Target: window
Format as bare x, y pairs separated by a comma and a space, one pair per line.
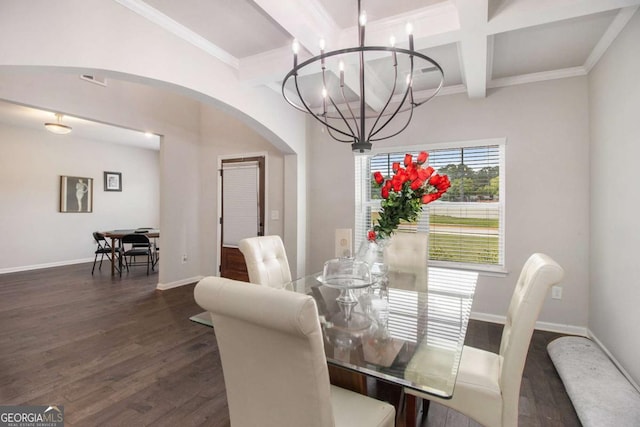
466, 226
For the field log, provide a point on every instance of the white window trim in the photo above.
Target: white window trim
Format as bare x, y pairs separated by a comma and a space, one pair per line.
486, 269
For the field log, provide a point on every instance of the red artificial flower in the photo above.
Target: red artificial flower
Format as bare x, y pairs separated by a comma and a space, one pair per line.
422, 157
416, 183
435, 180
378, 177
428, 198
401, 205
425, 173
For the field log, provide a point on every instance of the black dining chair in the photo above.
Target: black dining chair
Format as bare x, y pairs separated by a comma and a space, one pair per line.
104, 248
139, 246
155, 253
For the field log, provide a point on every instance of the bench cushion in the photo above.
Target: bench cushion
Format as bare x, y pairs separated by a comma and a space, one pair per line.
601, 395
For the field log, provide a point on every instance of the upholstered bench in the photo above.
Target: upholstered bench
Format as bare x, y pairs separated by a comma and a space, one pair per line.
601, 395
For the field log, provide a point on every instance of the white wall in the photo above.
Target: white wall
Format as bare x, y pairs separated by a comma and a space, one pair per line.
193, 138
547, 178
223, 135
105, 37
614, 95
34, 232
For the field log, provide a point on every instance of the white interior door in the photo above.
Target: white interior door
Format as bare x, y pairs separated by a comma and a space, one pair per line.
242, 211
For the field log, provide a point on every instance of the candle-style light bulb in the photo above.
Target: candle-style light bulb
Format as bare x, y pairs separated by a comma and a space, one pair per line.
408, 79
324, 100
392, 42
322, 44
341, 67
295, 47
363, 19
410, 34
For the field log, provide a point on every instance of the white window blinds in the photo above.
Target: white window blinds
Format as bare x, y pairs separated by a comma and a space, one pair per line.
466, 226
240, 207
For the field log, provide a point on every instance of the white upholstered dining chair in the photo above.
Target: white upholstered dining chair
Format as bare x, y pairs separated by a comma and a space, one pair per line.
407, 251
487, 388
266, 260
273, 360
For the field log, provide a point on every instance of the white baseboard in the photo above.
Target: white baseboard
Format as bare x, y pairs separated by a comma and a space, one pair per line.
46, 265
178, 283
543, 326
613, 359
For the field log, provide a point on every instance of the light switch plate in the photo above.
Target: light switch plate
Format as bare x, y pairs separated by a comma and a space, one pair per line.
343, 243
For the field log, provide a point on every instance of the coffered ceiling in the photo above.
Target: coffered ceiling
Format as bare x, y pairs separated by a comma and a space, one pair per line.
480, 44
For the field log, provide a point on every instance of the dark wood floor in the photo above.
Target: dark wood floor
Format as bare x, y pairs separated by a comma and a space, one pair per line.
117, 352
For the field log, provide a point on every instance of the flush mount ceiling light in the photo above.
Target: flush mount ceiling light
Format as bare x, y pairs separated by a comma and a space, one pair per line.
362, 94
58, 127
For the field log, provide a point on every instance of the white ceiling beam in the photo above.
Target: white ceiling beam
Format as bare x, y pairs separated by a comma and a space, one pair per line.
174, 27
432, 26
517, 15
618, 23
473, 45
306, 21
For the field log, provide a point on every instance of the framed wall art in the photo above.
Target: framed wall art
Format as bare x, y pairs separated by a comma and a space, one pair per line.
76, 194
112, 181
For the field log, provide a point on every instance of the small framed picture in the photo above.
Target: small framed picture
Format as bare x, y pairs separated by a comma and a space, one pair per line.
112, 181
76, 194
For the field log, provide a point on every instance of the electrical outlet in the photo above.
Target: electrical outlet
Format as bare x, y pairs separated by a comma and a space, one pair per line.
556, 292
343, 244
184, 258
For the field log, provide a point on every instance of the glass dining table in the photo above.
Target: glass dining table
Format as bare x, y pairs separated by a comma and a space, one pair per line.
409, 331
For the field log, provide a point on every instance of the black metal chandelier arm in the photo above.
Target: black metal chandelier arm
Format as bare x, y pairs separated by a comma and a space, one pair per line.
395, 80
346, 122
430, 97
399, 131
308, 110
296, 69
353, 117
392, 116
347, 141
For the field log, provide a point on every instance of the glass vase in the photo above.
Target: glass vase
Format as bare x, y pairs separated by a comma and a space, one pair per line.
372, 253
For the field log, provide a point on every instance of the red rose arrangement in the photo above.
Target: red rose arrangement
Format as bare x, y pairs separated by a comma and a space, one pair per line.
404, 194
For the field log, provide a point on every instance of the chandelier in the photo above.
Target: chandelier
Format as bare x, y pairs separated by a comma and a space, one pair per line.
362, 94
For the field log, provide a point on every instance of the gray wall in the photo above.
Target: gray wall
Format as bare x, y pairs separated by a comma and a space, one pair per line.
614, 95
547, 184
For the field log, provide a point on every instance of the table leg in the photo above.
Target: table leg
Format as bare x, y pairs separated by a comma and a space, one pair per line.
348, 379
113, 256
415, 410
411, 410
